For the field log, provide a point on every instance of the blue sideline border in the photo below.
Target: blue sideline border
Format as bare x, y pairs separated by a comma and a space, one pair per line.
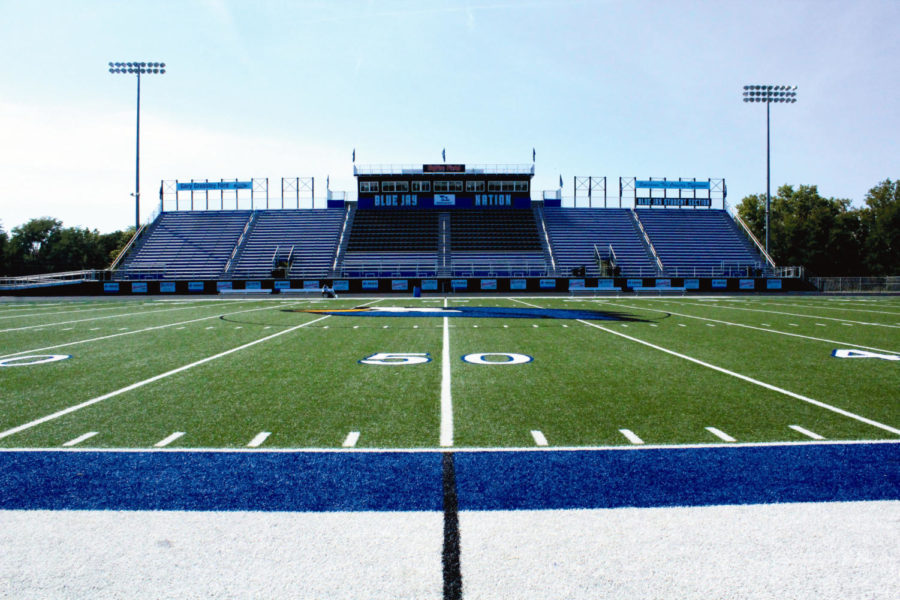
412, 481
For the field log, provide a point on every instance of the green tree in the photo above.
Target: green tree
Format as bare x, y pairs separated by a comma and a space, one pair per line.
4, 251
30, 244
822, 234
881, 222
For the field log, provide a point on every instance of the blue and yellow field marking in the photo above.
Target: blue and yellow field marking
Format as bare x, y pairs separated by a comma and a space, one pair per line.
478, 312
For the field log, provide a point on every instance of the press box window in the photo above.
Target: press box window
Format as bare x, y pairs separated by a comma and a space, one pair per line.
474, 186
421, 186
394, 186
368, 187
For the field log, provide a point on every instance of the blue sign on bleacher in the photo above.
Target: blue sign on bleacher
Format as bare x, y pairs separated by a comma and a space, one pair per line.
311, 284
282, 285
489, 284
459, 284
195, 286
341, 285
370, 284
671, 185
692, 284
606, 284
110, 287
663, 283
139, 287
167, 287
773, 284
548, 284
223, 285
747, 284
575, 284
635, 283
253, 285
517, 284
719, 284
429, 285
399, 285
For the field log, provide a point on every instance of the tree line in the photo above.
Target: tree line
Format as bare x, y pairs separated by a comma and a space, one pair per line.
44, 246
827, 235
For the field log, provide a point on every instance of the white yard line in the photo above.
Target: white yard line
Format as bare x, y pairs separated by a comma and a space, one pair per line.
787, 314
67, 312
775, 331
350, 440
137, 314
80, 439
763, 384
154, 328
153, 379
845, 308
631, 437
258, 440
720, 434
165, 442
539, 438
446, 398
806, 432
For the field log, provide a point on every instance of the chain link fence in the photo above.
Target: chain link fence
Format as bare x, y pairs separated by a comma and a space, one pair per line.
843, 285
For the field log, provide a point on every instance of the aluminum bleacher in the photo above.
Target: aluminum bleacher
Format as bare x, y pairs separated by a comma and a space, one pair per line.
574, 232
308, 237
701, 243
186, 245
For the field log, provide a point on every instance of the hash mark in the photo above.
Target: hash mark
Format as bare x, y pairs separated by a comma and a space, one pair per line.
806, 432
539, 438
257, 441
720, 434
165, 442
351, 439
630, 435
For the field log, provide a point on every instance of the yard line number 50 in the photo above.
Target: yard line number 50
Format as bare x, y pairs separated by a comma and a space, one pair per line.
418, 358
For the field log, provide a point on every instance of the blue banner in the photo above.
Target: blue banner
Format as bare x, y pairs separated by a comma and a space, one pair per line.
223, 285
747, 284
253, 285
459, 284
167, 287
429, 285
692, 284
205, 186
282, 285
773, 284
548, 284
110, 287
489, 284
139, 287
370, 284
341, 285
575, 284
635, 283
703, 202
517, 284
399, 285
663, 283
719, 284
311, 284
671, 185
195, 286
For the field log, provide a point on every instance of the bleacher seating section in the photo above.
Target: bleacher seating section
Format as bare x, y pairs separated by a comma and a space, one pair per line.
407, 243
186, 245
698, 242
311, 235
574, 232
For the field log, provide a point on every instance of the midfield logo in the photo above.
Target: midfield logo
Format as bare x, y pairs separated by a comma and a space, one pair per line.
477, 312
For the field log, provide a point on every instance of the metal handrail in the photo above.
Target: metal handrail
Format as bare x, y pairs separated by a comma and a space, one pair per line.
127, 247
754, 239
659, 263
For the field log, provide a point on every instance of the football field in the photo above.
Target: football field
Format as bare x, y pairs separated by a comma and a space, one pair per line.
490, 446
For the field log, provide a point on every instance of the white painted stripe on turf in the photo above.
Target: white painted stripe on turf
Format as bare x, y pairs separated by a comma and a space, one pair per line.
351, 439
462, 449
257, 441
153, 328
753, 327
153, 379
631, 437
165, 442
720, 434
446, 398
539, 438
140, 314
806, 432
80, 439
768, 386
776, 312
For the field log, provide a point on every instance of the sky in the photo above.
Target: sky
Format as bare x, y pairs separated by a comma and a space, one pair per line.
601, 88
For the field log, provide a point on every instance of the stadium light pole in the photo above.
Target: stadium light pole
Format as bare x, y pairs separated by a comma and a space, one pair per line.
769, 94
138, 68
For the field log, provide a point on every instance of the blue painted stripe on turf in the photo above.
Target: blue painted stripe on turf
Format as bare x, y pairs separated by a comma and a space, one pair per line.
216, 481
678, 477
301, 481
